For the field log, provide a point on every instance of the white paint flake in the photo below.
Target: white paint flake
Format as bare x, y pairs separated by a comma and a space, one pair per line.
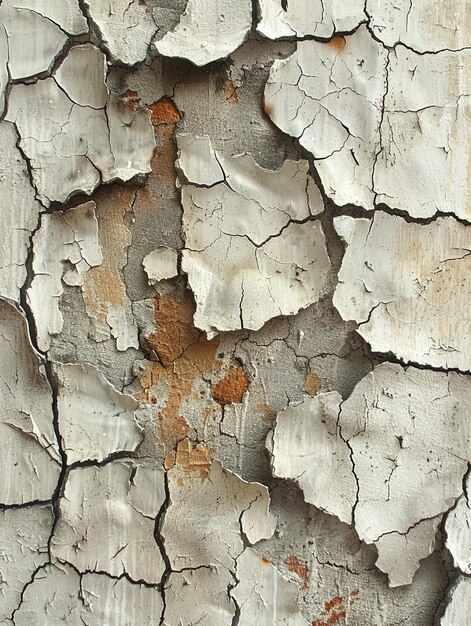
74, 134
64, 249
458, 608
24, 534
126, 28
208, 30
19, 214
95, 420
252, 251
197, 160
318, 18
399, 554
423, 25
222, 505
59, 594
410, 439
307, 448
263, 595
406, 285
30, 462
382, 127
458, 530
161, 264
199, 596
119, 496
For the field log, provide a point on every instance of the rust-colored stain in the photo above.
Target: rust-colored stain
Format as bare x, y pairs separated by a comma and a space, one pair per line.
312, 384
298, 567
232, 387
230, 91
268, 109
194, 460
338, 44
267, 412
334, 611
265, 561
164, 112
130, 99
183, 355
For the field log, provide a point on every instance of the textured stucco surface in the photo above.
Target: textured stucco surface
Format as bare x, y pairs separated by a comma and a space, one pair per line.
234, 309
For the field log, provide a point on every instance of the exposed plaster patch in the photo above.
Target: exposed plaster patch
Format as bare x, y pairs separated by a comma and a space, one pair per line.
252, 250
120, 496
181, 357
30, 462
319, 18
104, 291
74, 133
95, 420
208, 30
64, 248
407, 286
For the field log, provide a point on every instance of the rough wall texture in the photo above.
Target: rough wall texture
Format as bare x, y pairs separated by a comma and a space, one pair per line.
234, 312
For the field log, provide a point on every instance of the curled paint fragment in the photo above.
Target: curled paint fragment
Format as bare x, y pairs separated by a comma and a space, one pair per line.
76, 134
208, 30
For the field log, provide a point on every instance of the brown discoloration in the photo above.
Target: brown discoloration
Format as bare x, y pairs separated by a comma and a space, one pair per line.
164, 112
299, 568
104, 285
232, 387
338, 44
130, 99
312, 384
334, 610
194, 460
265, 561
268, 109
185, 356
267, 412
230, 91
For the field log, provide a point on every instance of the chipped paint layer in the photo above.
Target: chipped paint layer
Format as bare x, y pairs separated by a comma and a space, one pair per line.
30, 463
252, 250
120, 496
65, 247
382, 126
406, 286
95, 420
75, 133
208, 30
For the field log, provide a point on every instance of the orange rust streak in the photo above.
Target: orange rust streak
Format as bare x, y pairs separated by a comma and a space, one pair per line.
164, 112
338, 44
185, 354
130, 99
230, 91
297, 567
312, 384
232, 387
194, 460
335, 612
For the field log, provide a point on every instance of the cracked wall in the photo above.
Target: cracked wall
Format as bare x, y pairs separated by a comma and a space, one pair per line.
234, 307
